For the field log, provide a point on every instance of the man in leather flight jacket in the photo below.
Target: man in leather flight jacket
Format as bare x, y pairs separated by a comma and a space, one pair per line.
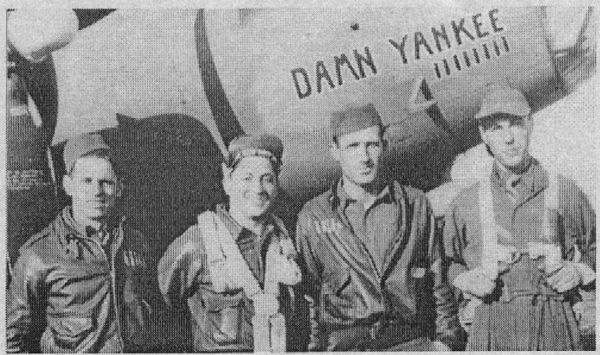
77, 285
373, 268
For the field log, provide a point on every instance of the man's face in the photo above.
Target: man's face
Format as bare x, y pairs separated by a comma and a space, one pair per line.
508, 139
252, 186
359, 154
94, 188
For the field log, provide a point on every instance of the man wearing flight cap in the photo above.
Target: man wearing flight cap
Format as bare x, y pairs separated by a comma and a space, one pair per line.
235, 267
520, 242
373, 266
78, 284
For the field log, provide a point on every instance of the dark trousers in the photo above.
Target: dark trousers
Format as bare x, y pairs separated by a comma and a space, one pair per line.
376, 338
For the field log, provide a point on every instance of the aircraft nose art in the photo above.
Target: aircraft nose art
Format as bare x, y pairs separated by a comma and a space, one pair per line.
286, 70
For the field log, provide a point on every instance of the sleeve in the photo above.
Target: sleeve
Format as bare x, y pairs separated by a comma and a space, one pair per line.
138, 315
24, 300
453, 244
447, 325
586, 217
181, 266
311, 280
580, 219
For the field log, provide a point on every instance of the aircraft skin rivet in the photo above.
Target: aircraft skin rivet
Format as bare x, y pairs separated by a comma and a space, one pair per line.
354, 26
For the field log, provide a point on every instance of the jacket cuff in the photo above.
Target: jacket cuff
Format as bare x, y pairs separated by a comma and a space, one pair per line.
456, 341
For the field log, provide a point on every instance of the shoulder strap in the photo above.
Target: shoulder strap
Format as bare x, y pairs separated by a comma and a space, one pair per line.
225, 260
489, 245
550, 203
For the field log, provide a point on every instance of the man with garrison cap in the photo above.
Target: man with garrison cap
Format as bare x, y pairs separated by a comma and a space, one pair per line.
234, 269
520, 243
78, 285
373, 268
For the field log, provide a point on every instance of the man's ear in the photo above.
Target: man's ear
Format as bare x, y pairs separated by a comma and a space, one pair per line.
68, 185
529, 124
119, 187
226, 177
334, 150
483, 134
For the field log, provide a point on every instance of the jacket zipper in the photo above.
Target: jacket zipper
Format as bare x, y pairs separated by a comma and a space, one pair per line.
362, 246
113, 291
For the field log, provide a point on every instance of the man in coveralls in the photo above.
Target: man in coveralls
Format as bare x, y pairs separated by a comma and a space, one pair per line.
78, 285
521, 243
374, 273
228, 268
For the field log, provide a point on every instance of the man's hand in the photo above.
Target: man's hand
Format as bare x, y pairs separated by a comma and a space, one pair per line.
565, 279
475, 282
437, 345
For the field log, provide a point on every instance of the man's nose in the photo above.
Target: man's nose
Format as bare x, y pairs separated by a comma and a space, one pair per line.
508, 136
257, 186
363, 153
97, 188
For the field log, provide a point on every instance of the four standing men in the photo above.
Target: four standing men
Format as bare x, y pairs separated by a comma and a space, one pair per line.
518, 248
373, 266
78, 285
520, 243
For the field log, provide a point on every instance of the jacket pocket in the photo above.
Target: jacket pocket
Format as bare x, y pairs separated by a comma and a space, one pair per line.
137, 321
225, 314
69, 333
337, 300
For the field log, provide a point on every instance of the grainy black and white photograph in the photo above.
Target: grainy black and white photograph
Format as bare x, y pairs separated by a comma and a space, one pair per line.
359, 177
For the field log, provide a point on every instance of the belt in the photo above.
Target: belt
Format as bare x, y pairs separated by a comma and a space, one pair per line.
371, 337
509, 296
385, 330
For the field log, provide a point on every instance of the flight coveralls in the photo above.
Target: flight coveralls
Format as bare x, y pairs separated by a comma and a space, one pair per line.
522, 313
78, 290
221, 321
363, 302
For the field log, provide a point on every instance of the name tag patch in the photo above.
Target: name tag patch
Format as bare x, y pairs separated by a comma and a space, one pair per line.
330, 225
133, 259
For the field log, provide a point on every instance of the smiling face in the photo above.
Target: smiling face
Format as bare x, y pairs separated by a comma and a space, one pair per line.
359, 154
94, 189
252, 186
507, 137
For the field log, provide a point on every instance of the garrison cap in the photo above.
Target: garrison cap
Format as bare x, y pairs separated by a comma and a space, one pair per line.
265, 145
81, 146
354, 119
503, 99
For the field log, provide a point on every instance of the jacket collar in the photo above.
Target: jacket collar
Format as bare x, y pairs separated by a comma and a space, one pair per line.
339, 197
533, 180
79, 230
237, 229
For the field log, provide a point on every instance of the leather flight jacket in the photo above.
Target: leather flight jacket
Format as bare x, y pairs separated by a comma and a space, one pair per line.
346, 289
71, 294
